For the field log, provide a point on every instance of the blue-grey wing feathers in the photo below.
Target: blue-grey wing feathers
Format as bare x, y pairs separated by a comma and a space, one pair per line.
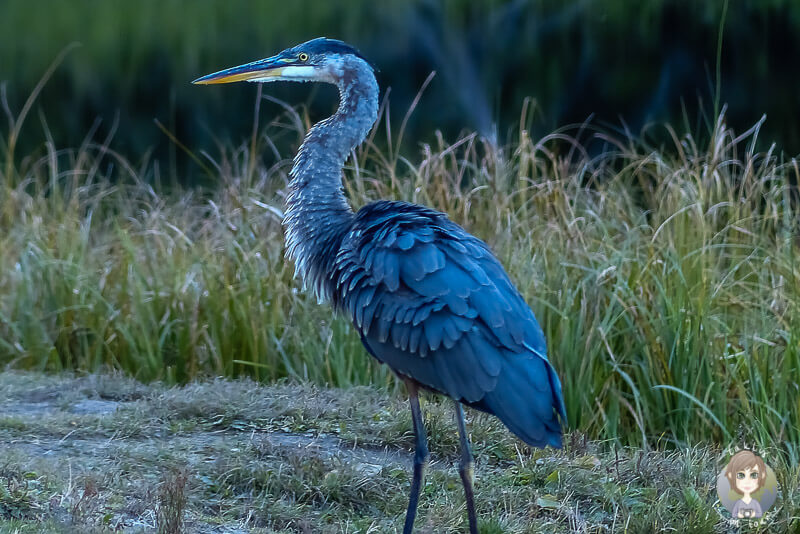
433, 303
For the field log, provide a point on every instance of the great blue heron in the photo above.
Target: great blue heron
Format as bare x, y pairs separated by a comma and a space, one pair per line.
428, 299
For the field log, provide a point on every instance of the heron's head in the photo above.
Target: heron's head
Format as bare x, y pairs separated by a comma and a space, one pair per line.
318, 60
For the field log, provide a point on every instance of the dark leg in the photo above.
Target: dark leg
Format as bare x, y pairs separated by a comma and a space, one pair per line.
421, 456
465, 469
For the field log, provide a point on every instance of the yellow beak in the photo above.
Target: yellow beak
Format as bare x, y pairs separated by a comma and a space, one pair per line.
257, 70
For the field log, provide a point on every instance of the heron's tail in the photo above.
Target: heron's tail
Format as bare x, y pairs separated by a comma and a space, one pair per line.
529, 402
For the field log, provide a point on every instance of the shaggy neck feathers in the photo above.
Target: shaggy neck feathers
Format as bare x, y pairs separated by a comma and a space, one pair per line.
318, 214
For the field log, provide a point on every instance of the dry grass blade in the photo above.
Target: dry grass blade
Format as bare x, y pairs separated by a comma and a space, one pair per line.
16, 123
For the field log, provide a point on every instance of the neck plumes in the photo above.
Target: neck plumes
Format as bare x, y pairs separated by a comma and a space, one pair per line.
317, 212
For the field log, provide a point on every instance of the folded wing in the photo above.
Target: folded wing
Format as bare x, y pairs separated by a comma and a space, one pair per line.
433, 303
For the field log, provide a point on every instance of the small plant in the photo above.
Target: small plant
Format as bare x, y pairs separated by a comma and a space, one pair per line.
18, 495
86, 505
172, 502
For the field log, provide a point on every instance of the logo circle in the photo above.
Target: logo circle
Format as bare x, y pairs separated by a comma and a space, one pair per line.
747, 487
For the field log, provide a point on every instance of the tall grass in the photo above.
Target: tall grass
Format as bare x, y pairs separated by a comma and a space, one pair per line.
665, 277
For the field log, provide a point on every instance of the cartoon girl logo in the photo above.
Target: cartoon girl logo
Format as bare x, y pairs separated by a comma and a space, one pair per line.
747, 486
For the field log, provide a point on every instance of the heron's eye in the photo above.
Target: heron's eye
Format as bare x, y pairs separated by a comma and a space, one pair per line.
740, 475
302, 57
754, 475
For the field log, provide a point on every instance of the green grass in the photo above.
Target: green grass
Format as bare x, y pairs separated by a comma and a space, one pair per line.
665, 277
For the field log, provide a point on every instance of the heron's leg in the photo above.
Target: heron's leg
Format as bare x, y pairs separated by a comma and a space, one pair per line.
465, 469
421, 456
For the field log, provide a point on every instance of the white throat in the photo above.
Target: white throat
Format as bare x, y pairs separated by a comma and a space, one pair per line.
292, 73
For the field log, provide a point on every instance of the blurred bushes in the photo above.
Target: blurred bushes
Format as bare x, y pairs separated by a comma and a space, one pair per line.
638, 61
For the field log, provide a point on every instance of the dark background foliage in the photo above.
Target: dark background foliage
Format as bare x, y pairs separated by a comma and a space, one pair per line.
625, 62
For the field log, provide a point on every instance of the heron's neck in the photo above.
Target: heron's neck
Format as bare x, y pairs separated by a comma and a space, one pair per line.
317, 212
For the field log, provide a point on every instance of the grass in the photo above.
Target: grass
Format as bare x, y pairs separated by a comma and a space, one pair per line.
232, 456
665, 276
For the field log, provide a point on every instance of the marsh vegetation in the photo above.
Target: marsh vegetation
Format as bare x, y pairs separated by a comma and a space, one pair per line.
664, 274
